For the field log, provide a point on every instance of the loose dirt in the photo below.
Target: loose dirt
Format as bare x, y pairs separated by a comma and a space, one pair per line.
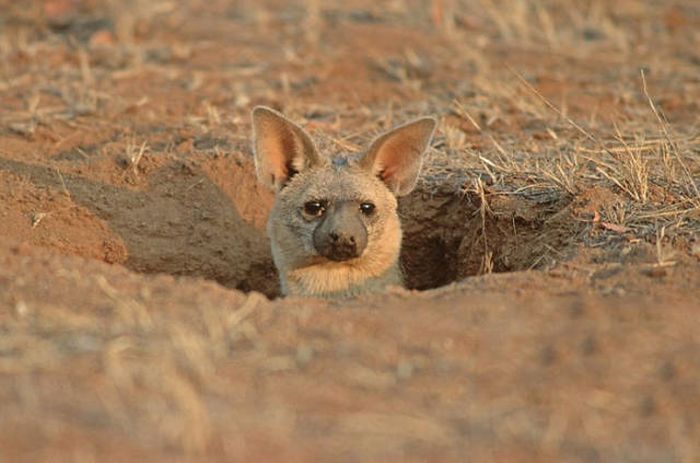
551, 249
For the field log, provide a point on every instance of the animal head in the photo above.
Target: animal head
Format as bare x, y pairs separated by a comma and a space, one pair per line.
335, 217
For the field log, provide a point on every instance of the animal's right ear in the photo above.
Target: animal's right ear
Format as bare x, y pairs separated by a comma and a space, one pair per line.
282, 148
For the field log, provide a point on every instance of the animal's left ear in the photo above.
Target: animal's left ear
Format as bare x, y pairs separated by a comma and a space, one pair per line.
396, 156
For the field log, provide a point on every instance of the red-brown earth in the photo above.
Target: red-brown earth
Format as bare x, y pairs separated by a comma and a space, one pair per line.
551, 248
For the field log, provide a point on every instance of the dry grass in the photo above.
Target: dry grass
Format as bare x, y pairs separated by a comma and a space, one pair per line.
542, 106
645, 157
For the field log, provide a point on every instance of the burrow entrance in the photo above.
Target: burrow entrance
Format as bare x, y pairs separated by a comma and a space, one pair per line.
449, 234
205, 217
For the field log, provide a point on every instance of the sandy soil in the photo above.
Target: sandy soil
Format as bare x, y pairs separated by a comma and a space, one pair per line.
551, 249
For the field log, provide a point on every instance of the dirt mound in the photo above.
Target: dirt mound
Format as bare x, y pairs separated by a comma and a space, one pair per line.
97, 360
183, 220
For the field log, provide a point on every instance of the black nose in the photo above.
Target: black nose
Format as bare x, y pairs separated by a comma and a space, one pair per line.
340, 238
340, 246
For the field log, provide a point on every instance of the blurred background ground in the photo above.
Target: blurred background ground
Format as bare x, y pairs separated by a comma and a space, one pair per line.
554, 233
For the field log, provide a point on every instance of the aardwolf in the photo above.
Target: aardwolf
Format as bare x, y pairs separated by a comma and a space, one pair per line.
334, 230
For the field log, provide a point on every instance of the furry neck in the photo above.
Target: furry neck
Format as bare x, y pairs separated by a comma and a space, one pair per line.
336, 279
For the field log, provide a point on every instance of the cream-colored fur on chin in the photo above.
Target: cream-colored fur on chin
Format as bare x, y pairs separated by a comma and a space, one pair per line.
339, 282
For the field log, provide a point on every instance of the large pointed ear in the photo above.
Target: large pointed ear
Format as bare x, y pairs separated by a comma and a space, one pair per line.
282, 148
396, 156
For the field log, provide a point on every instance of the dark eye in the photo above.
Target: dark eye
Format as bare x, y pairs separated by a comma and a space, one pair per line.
314, 208
367, 208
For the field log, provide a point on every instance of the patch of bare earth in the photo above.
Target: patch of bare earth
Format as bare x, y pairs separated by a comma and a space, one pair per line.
551, 249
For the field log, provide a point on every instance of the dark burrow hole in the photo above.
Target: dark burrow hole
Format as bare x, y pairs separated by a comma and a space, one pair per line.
449, 237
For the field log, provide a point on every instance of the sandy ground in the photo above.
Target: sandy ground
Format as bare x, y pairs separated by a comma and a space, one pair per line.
551, 252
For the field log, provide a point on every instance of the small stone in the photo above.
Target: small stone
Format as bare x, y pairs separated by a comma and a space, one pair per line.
304, 355
21, 309
404, 369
